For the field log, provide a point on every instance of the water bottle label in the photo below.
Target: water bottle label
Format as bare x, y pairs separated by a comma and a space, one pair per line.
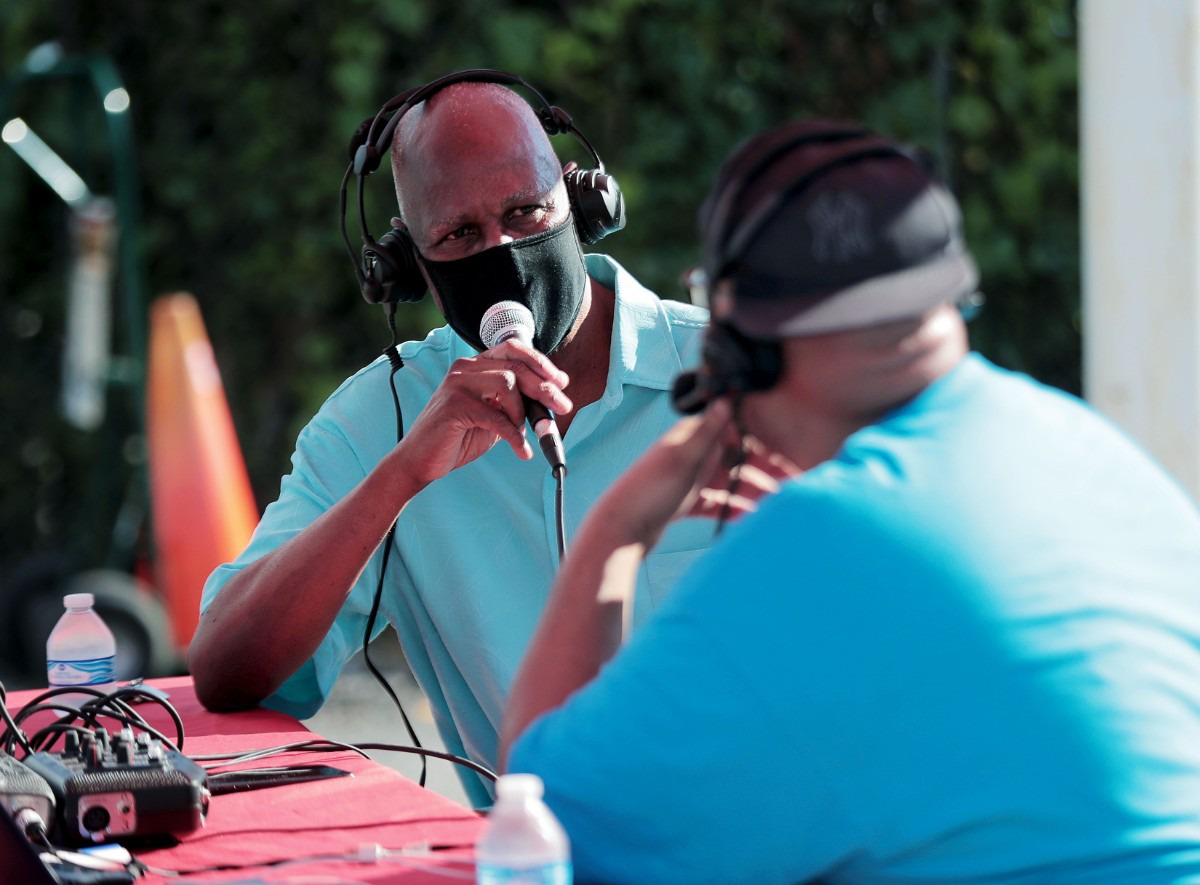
93, 671
557, 873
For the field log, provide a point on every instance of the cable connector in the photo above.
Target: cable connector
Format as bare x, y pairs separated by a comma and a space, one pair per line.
368, 852
31, 824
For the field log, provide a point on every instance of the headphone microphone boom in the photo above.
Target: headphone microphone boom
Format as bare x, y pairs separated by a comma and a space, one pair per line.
692, 392
733, 363
511, 319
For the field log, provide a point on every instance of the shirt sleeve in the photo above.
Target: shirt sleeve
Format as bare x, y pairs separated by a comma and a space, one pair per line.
326, 466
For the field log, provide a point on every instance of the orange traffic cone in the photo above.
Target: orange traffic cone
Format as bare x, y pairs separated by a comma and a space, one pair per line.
202, 507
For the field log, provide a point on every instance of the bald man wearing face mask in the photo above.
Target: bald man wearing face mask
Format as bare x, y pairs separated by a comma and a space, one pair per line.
481, 195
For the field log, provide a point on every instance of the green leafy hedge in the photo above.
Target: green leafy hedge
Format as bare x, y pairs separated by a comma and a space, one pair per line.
243, 114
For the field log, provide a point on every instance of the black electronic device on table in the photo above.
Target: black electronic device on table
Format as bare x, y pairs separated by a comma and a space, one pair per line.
261, 778
114, 787
18, 857
22, 789
23, 862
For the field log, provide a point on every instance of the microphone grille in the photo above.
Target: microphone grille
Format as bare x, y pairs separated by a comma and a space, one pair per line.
504, 320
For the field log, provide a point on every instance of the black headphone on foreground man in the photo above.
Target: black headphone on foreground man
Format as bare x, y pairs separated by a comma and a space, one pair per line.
387, 270
734, 362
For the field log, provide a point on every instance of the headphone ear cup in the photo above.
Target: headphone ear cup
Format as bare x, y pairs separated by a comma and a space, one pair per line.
765, 364
739, 362
596, 202
389, 269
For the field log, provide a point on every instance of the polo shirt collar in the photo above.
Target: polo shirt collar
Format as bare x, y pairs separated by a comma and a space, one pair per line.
644, 350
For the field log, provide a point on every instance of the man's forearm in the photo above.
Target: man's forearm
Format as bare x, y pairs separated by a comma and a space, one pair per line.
271, 617
583, 626
585, 619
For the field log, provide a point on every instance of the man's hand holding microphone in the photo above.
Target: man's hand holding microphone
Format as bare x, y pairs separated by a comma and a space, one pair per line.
488, 398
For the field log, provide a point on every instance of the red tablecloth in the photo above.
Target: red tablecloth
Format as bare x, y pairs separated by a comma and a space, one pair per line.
336, 816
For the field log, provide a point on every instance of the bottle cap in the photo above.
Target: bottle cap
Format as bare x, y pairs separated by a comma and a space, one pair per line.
78, 600
519, 786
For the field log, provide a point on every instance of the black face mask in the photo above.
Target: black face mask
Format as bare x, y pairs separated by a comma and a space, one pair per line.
545, 272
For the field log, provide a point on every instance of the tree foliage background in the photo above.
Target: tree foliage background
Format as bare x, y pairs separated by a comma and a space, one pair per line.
242, 114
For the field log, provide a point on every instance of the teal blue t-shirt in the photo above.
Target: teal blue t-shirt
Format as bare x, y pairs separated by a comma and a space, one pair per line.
966, 649
475, 553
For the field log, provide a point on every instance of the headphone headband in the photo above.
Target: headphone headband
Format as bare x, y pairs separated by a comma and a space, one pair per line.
737, 183
368, 152
387, 269
723, 247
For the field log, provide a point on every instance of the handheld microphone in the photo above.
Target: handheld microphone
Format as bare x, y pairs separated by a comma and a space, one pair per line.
511, 319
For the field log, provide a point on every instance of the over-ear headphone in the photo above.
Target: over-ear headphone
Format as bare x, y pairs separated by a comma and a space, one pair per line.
387, 269
735, 362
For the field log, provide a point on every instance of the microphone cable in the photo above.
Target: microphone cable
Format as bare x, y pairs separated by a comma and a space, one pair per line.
559, 470
325, 745
83, 718
560, 518
393, 354
735, 469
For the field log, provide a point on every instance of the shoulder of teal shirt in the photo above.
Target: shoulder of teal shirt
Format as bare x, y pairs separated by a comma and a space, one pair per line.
656, 338
609, 272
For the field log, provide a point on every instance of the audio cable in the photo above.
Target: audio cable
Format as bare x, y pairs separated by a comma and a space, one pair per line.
397, 363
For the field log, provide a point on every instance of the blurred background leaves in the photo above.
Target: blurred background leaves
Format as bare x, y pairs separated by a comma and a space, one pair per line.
242, 115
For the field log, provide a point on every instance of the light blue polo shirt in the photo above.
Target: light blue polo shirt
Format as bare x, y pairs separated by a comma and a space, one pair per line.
475, 553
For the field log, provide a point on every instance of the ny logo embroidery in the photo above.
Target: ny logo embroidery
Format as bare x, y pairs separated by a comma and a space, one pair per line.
839, 227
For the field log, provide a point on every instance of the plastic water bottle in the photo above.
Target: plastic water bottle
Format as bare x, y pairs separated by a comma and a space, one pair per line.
523, 842
80, 650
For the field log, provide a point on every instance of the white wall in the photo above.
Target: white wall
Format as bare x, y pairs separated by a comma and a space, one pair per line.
1140, 134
